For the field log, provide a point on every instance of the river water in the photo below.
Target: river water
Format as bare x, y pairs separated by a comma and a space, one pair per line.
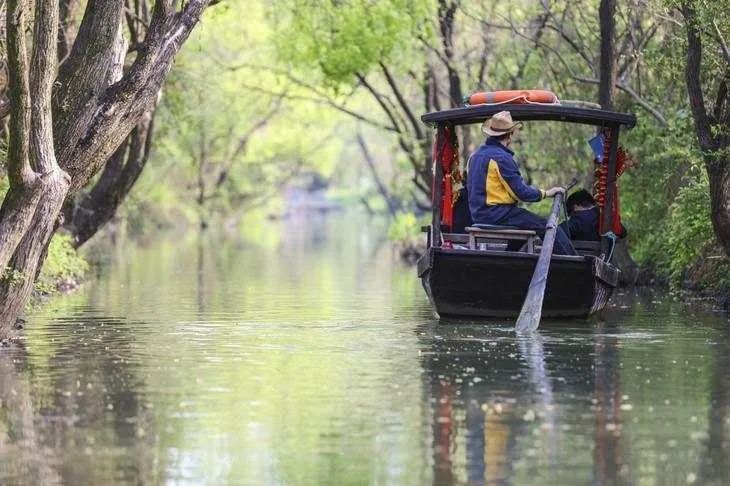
304, 353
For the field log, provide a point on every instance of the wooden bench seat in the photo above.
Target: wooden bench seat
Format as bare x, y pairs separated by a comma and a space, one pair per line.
493, 232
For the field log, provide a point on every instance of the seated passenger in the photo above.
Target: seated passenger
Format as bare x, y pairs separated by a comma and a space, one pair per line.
495, 185
583, 214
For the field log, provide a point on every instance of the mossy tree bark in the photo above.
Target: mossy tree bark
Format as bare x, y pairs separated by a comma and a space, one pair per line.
63, 132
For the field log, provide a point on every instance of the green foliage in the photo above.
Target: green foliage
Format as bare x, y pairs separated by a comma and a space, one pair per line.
302, 59
406, 226
665, 200
346, 38
63, 264
225, 141
689, 229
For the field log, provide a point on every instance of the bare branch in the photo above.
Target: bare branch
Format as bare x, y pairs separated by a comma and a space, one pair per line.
559, 28
692, 73
376, 178
643, 41
639, 100
322, 101
541, 21
381, 100
722, 42
415, 123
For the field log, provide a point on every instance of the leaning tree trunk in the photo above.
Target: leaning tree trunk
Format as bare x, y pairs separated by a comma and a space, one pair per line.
120, 173
90, 119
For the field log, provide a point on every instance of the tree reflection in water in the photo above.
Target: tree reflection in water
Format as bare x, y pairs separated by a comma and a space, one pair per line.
608, 464
715, 464
51, 425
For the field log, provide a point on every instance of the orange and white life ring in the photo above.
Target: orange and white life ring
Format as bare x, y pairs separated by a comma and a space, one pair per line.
512, 96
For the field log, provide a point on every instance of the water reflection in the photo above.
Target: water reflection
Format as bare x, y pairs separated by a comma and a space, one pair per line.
558, 410
715, 465
608, 464
52, 422
304, 353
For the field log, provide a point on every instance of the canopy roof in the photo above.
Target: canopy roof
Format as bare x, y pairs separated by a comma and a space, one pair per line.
527, 112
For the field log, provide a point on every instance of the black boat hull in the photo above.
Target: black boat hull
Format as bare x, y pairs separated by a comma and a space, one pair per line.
468, 283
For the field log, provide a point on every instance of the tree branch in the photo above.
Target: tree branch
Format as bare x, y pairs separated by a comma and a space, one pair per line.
721, 41
42, 73
323, 101
627, 89
124, 103
415, 123
692, 73
19, 170
380, 99
376, 178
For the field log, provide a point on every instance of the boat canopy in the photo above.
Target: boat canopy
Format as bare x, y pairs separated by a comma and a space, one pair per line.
529, 112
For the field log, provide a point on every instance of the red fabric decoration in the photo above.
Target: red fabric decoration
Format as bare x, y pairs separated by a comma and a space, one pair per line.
601, 183
446, 152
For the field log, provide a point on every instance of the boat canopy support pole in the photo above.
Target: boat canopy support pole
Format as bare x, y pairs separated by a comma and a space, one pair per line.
437, 186
607, 210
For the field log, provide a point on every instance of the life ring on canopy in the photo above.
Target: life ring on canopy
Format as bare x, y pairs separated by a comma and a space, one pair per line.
512, 96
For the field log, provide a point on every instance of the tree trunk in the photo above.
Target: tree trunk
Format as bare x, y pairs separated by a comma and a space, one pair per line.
713, 129
91, 118
28, 255
607, 65
120, 173
607, 75
606, 89
718, 169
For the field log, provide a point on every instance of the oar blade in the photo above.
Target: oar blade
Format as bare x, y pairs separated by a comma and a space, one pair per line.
531, 312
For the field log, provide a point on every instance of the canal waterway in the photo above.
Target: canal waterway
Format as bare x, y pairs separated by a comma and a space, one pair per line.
304, 352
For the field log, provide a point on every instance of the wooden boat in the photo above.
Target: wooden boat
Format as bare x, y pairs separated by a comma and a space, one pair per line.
473, 274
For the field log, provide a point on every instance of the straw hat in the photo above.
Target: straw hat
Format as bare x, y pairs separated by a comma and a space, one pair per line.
500, 124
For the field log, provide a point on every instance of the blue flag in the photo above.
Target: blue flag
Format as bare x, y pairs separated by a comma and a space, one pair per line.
596, 144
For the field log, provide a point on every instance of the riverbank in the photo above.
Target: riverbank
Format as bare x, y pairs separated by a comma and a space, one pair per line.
63, 272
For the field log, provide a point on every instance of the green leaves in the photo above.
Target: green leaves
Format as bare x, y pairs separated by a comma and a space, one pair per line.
339, 39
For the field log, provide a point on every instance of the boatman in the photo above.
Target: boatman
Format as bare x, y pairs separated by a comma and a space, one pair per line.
495, 185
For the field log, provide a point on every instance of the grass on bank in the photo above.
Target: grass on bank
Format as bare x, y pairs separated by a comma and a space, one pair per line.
63, 269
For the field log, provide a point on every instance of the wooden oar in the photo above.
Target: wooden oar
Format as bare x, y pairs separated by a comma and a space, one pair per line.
529, 318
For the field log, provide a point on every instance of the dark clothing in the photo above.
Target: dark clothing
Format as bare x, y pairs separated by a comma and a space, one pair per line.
462, 216
583, 225
494, 183
524, 219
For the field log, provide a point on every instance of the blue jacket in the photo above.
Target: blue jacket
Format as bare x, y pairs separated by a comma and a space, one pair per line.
495, 184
